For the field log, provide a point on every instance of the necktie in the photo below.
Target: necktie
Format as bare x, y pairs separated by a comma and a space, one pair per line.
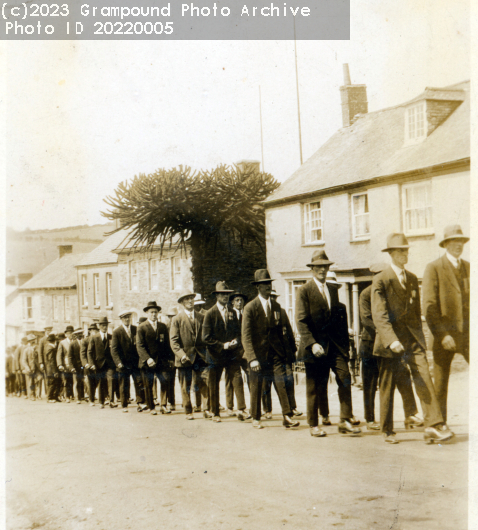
403, 279
128, 331
268, 310
322, 292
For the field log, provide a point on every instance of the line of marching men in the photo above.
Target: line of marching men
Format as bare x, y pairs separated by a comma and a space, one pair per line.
256, 339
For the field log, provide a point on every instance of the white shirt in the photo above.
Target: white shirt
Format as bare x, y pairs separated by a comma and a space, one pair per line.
127, 329
103, 335
238, 313
401, 274
189, 314
454, 261
222, 310
266, 304
324, 290
153, 324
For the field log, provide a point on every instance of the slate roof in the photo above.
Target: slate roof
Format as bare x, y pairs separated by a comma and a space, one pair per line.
373, 147
60, 274
103, 254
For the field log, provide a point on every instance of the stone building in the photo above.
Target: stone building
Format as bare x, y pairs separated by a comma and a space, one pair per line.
405, 168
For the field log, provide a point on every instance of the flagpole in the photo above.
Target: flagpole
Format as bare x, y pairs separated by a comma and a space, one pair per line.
260, 114
298, 101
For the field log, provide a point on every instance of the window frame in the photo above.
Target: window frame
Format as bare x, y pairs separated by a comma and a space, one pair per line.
96, 290
356, 237
55, 308
176, 273
150, 269
27, 308
67, 307
306, 222
292, 285
417, 231
84, 290
109, 289
133, 285
421, 105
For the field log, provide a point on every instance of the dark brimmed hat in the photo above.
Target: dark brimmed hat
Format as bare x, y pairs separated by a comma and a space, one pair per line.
222, 288
172, 311
103, 320
69, 328
375, 268
262, 276
184, 294
152, 305
396, 241
61, 336
51, 337
31, 337
24, 339
125, 313
93, 326
142, 319
238, 294
453, 232
319, 257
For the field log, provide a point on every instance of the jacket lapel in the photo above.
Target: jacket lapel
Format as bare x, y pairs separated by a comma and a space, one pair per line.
188, 323
448, 268
395, 282
317, 297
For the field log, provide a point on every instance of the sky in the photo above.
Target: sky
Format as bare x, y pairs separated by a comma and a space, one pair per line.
83, 116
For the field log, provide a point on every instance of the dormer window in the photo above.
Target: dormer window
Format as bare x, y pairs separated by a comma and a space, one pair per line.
415, 123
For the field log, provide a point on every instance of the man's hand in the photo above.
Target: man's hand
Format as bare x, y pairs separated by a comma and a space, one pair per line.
226, 345
120, 365
61, 368
448, 343
255, 366
233, 344
317, 350
397, 347
73, 371
87, 365
93, 367
25, 372
151, 363
184, 359
42, 367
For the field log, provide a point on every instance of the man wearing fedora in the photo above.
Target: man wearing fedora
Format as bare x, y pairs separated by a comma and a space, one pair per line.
370, 365
62, 362
90, 374
155, 356
265, 348
189, 351
21, 380
237, 301
28, 364
446, 304
400, 343
101, 363
126, 359
52, 372
76, 367
199, 304
324, 345
221, 335
41, 354
171, 312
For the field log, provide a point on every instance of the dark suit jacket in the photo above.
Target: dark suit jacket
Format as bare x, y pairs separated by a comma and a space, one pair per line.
62, 354
41, 350
365, 309
260, 335
316, 323
154, 345
123, 348
99, 355
186, 339
289, 338
239, 351
84, 350
74, 358
443, 303
395, 311
215, 334
50, 358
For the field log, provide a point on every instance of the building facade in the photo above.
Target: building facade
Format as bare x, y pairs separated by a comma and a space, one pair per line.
402, 169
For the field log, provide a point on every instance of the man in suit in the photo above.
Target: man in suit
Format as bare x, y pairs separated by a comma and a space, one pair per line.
221, 335
101, 362
324, 344
265, 348
51, 368
90, 375
171, 312
370, 363
400, 342
237, 301
446, 301
28, 363
199, 304
62, 362
189, 351
41, 354
75, 364
21, 380
155, 356
126, 359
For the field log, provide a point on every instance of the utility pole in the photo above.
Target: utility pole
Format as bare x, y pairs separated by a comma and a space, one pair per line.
298, 101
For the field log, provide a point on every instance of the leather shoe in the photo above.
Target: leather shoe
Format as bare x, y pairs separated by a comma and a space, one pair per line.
245, 414
207, 414
257, 424
125, 409
113, 405
373, 426
412, 422
390, 437
296, 412
153, 412
230, 413
354, 421
164, 410
142, 407
326, 421
197, 409
288, 422
268, 415
345, 427
217, 419
435, 434
172, 408
240, 416
189, 417
318, 433
221, 407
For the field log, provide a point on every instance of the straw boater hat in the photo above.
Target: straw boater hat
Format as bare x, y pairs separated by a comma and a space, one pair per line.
396, 241
78, 331
198, 300
93, 326
375, 268
319, 257
152, 305
262, 276
172, 311
332, 278
125, 313
184, 294
453, 232
238, 294
222, 288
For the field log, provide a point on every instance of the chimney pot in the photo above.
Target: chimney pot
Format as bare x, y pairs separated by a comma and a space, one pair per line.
354, 99
347, 80
65, 249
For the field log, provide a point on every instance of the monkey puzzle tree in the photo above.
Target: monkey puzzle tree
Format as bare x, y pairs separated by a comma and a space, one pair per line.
217, 213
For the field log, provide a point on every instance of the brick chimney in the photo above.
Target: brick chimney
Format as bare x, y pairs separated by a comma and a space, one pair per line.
65, 249
354, 99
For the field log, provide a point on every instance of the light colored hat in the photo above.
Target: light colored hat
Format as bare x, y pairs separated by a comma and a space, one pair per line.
31, 337
78, 331
319, 257
453, 232
222, 288
377, 267
261, 276
125, 313
396, 241
198, 300
274, 293
172, 311
185, 293
332, 278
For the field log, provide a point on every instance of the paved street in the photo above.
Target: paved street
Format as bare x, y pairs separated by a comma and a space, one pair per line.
72, 467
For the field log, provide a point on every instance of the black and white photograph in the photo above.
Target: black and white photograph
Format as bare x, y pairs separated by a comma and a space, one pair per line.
237, 254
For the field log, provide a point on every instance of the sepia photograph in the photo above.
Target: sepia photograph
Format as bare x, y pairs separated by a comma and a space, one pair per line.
237, 269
